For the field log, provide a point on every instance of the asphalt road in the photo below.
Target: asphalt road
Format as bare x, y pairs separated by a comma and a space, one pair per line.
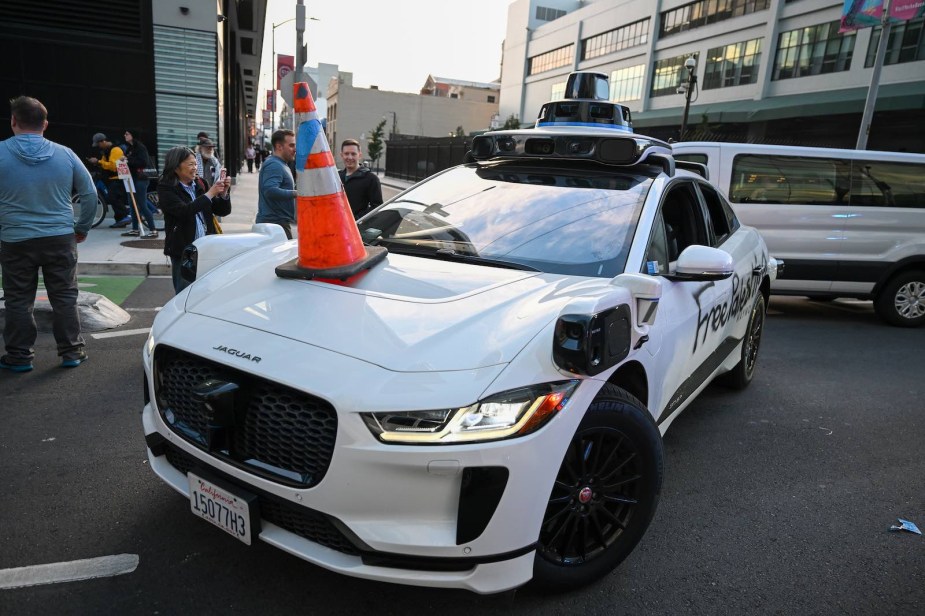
777, 500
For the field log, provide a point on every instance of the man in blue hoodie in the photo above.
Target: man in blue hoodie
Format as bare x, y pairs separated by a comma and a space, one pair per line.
38, 231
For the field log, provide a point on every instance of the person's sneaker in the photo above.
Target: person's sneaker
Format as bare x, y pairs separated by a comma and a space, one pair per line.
121, 223
150, 236
14, 367
73, 362
134, 232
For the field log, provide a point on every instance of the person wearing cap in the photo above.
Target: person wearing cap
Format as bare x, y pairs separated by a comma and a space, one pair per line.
276, 192
38, 231
362, 186
114, 186
208, 166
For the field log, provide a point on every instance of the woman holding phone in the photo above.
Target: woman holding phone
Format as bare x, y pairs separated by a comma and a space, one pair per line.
189, 204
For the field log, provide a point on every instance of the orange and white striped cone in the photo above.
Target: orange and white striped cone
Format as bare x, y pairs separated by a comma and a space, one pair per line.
329, 241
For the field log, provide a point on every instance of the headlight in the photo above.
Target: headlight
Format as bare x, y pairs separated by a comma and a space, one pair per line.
149, 344
510, 413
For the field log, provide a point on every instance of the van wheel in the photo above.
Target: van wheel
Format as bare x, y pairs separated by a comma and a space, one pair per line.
744, 371
901, 302
604, 496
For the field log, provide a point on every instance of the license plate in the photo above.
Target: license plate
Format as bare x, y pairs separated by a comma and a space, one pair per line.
230, 510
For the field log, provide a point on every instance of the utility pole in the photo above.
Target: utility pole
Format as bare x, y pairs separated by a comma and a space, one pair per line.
867, 117
300, 51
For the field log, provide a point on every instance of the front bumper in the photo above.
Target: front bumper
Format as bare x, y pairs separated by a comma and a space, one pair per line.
389, 512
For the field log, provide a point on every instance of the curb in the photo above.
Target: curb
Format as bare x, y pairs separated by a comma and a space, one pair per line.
112, 268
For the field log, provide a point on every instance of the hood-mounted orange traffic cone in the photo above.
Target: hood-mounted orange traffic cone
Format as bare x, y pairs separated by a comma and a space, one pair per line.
329, 241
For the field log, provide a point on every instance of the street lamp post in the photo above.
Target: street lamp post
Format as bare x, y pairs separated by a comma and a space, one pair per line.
687, 89
275, 72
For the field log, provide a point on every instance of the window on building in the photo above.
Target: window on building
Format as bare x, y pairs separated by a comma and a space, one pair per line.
732, 65
815, 50
668, 73
556, 58
703, 12
626, 83
491, 99
557, 92
614, 40
547, 14
906, 44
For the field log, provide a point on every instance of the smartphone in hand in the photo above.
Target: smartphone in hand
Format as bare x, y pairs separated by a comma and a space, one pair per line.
221, 178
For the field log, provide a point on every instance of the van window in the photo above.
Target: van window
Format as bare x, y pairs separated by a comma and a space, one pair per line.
789, 179
694, 158
887, 184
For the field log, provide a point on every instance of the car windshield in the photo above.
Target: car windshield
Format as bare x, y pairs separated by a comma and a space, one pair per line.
560, 219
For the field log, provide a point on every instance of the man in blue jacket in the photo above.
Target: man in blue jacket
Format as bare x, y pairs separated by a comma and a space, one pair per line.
37, 231
276, 188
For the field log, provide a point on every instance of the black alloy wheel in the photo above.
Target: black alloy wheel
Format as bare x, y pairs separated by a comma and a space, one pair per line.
604, 496
744, 371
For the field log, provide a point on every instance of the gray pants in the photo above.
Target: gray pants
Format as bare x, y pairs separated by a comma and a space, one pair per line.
21, 261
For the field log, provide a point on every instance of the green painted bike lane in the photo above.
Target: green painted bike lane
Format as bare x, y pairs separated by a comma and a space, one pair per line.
116, 288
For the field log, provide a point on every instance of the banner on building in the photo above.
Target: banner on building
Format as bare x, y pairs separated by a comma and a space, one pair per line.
271, 100
284, 66
904, 10
857, 14
267, 118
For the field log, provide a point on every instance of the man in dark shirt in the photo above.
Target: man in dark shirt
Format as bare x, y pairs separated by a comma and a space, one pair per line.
361, 185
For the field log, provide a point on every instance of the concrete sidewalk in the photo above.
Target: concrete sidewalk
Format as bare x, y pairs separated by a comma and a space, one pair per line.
106, 251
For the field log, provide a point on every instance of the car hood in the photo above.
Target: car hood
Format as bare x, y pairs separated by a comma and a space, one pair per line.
407, 314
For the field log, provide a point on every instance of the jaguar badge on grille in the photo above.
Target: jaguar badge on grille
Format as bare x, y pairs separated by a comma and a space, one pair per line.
237, 353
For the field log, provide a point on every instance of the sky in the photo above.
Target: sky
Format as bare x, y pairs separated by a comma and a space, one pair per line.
393, 44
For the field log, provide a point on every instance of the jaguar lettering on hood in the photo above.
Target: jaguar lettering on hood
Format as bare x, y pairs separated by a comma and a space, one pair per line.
237, 353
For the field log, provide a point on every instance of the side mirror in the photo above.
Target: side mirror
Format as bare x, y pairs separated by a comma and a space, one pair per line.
702, 263
189, 261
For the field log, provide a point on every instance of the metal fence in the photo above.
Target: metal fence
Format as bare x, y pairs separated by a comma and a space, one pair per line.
414, 159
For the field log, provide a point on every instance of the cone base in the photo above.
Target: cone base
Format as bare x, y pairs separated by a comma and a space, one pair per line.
292, 269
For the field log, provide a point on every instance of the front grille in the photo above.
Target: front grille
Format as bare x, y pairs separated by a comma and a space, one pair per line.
277, 432
301, 521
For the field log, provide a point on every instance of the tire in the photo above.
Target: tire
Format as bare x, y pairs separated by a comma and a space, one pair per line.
744, 371
901, 302
605, 494
99, 215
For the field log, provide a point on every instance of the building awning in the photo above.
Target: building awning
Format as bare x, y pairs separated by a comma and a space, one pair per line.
891, 97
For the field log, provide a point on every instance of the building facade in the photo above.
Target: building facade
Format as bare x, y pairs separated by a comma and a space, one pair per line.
775, 71
165, 68
354, 113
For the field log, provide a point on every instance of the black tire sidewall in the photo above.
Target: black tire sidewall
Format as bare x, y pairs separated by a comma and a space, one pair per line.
613, 409
885, 303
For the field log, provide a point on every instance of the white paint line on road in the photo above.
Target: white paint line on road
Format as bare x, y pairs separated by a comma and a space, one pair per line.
127, 332
86, 569
158, 309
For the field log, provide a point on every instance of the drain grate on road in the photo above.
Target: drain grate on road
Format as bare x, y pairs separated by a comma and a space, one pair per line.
158, 244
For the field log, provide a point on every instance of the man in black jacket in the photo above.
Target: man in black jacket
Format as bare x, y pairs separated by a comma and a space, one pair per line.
361, 185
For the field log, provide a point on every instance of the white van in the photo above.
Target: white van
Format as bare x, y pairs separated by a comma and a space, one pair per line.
848, 223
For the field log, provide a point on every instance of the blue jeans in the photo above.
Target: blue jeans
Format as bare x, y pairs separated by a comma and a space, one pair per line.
141, 199
179, 283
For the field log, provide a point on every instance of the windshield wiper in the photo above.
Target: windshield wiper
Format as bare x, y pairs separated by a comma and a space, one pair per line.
451, 255
448, 254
